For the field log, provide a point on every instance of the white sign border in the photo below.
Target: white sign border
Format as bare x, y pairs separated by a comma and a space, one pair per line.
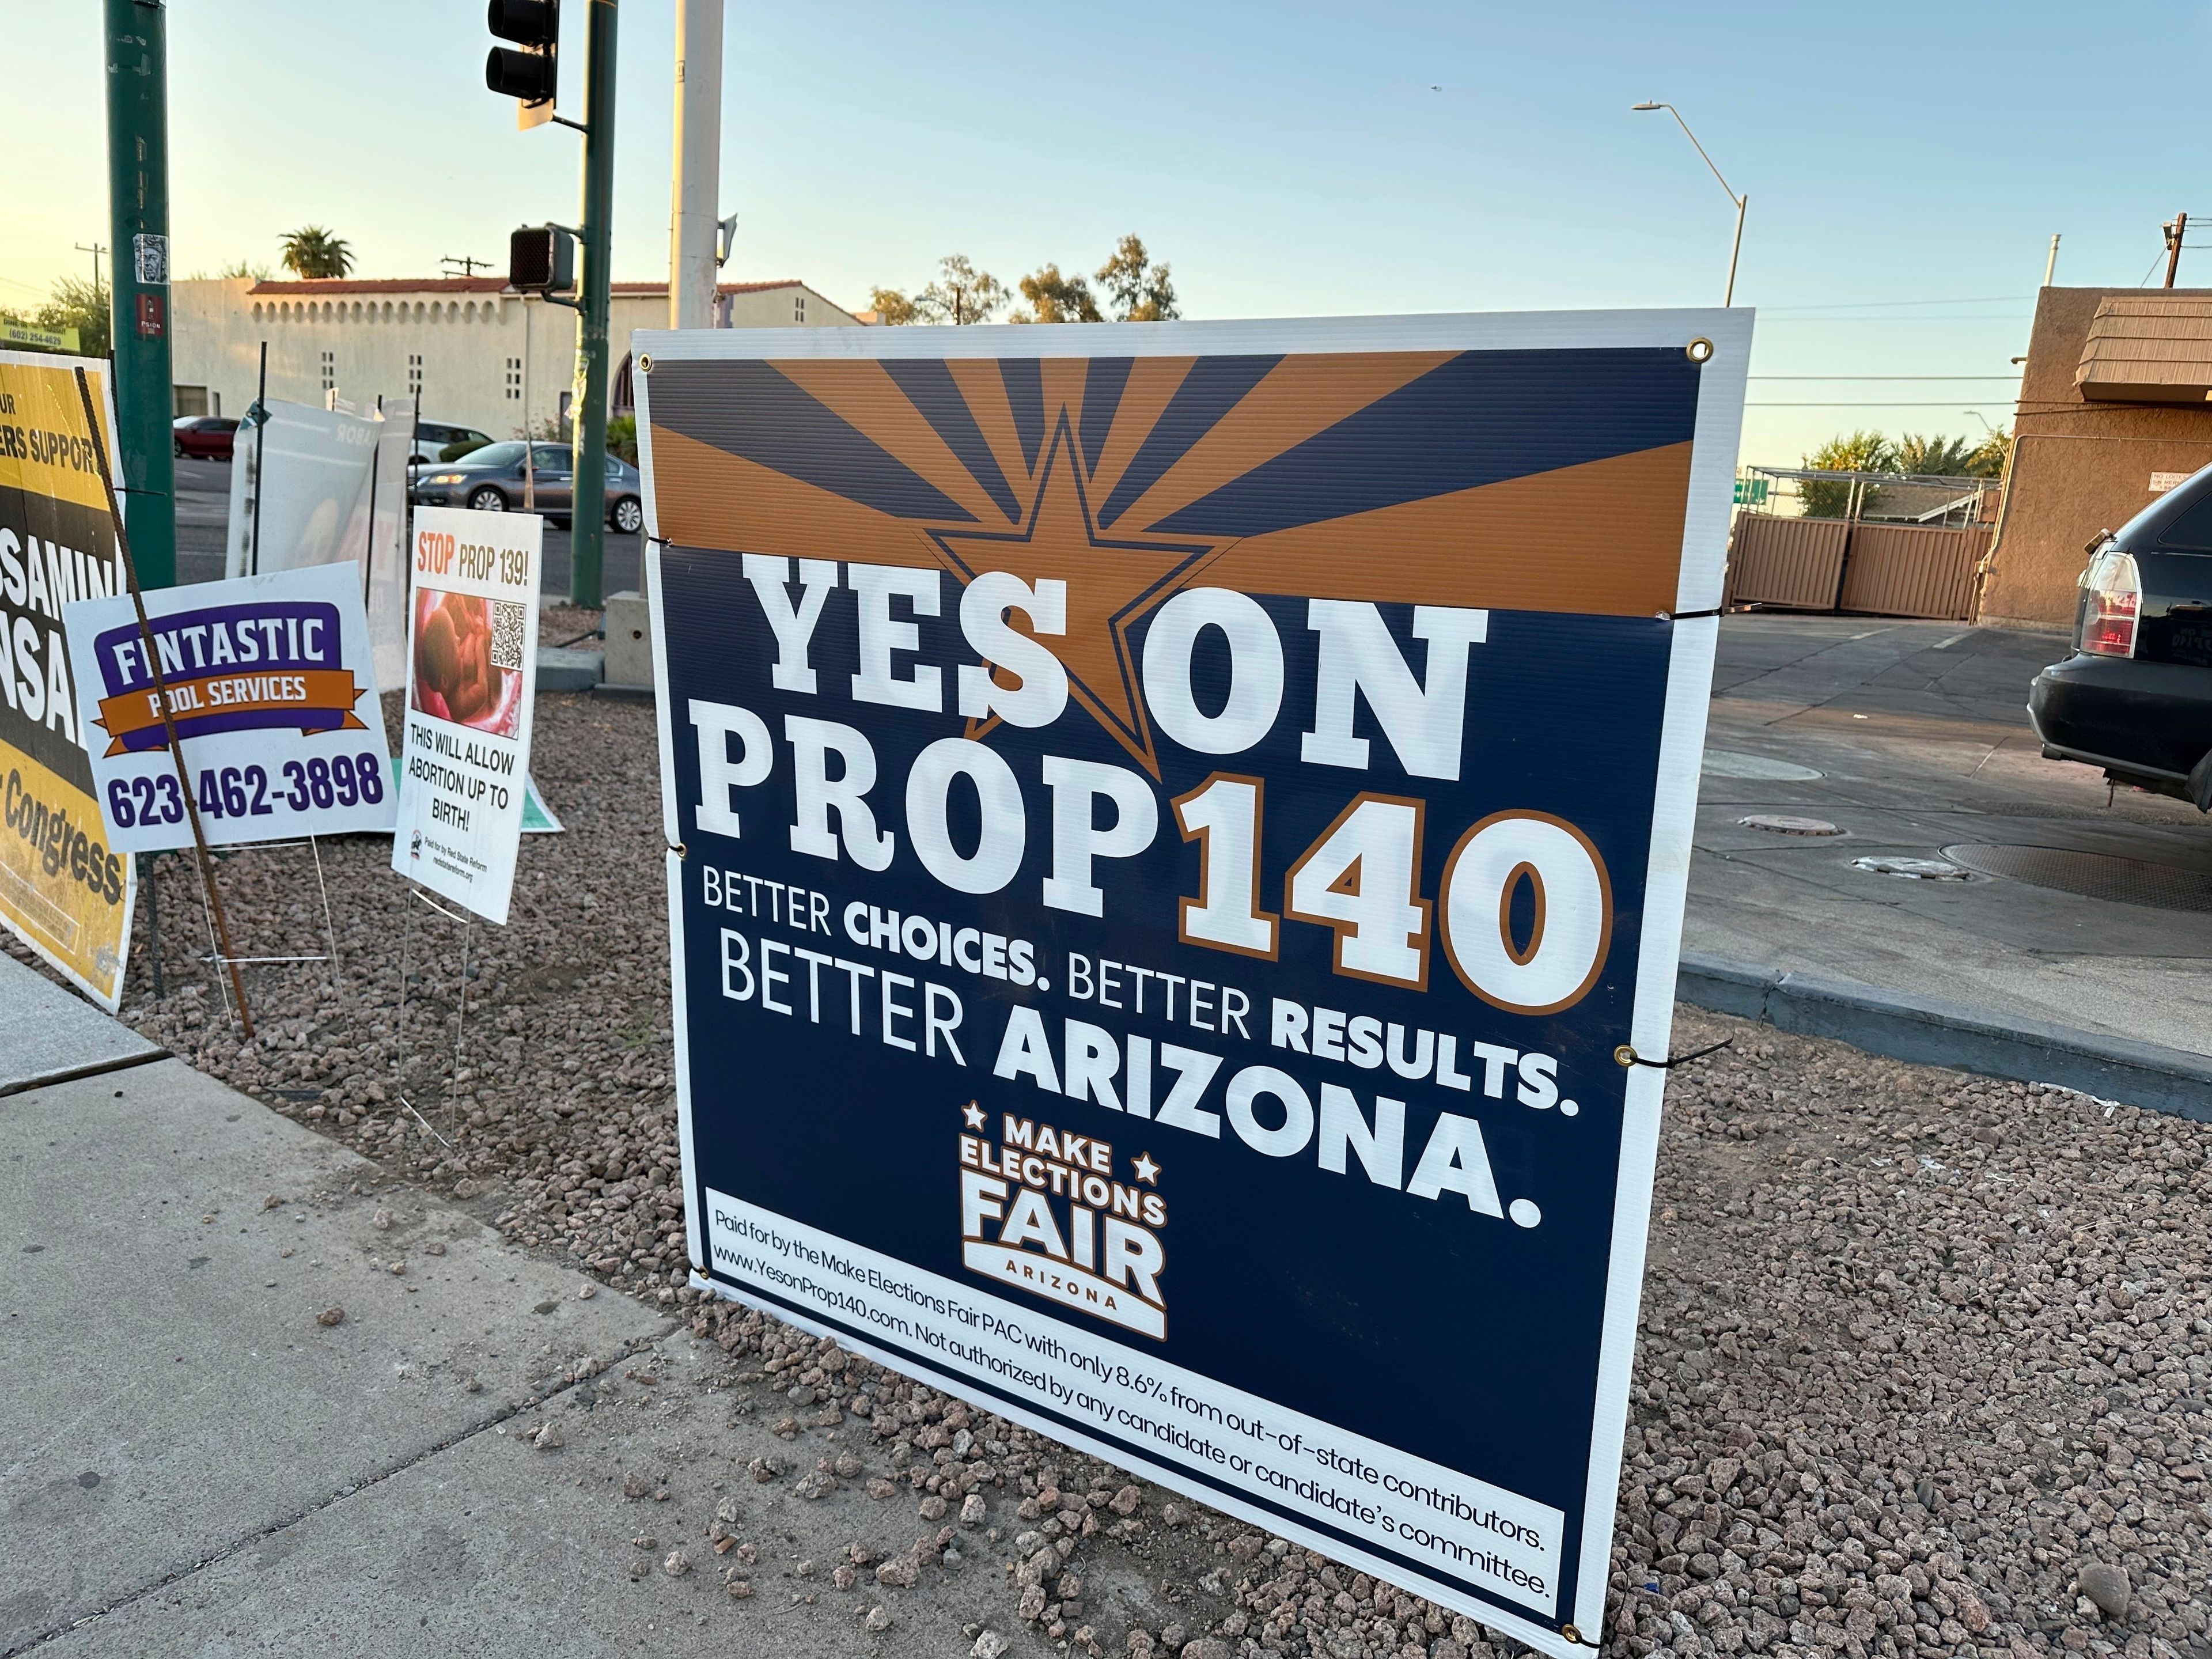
1722, 383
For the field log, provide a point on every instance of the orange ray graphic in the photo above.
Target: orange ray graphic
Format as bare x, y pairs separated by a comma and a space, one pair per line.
1110, 584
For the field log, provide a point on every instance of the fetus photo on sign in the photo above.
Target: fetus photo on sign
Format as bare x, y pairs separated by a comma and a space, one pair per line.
467, 659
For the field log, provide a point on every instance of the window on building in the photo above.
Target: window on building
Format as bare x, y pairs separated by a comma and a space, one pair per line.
414, 375
799, 307
329, 370
515, 378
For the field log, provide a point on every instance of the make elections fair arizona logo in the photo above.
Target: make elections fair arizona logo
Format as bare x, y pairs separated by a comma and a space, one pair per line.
276, 664
1050, 1212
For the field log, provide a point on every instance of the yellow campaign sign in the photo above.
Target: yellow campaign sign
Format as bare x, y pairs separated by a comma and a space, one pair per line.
63, 891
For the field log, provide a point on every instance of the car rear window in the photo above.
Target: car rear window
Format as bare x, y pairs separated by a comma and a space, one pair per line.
2190, 530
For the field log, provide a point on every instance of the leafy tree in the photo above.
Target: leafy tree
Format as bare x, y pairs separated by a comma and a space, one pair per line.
1857, 452
1933, 457
961, 294
74, 303
1992, 456
312, 251
1140, 291
1054, 298
892, 308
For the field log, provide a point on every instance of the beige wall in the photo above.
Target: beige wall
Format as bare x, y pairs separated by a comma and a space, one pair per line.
472, 345
2078, 467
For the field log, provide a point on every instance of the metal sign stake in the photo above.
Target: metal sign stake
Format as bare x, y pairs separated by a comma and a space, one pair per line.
162, 697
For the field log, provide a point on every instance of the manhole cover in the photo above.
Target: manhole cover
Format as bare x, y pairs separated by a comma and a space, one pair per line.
2093, 875
1781, 824
1734, 763
1912, 869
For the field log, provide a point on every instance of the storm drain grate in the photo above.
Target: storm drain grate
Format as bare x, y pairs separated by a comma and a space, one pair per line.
2093, 875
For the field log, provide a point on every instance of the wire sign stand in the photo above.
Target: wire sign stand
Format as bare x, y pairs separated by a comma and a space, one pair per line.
222, 965
417, 894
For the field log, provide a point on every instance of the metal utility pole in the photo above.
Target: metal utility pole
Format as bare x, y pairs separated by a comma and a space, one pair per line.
2051, 264
96, 249
2174, 231
691, 235
587, 510
1735, 249
137, 51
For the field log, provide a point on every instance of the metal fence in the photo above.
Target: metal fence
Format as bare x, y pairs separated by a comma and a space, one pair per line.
1945, 501
1880, 543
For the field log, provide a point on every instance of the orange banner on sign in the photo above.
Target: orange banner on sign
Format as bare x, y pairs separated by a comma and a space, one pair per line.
311, 700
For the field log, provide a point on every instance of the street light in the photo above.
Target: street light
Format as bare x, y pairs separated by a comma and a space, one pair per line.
1729, 299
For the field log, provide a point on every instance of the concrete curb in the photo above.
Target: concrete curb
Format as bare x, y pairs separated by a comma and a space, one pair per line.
1934, 1032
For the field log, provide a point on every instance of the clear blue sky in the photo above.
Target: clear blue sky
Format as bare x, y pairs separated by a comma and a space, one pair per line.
1287, 158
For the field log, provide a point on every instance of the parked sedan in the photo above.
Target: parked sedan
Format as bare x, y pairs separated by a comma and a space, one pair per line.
492, 480
202, 437
2135, 697
438, 440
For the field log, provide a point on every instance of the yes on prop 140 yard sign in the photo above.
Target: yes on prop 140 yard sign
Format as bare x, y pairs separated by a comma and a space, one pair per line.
1172, 826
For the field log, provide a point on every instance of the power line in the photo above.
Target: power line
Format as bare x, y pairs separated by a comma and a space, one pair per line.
1883, 377
1880, 305
1968, 317
1942, 402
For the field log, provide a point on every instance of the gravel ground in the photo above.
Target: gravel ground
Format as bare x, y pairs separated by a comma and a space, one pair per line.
1924, 1357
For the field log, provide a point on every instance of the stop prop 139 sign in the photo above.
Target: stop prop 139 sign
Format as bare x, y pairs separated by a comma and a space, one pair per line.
1175, 832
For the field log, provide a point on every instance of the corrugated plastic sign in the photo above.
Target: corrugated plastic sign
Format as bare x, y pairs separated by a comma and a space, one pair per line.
1177, 834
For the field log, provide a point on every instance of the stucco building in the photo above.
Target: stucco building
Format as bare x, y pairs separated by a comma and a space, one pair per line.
474, 351
2113, 410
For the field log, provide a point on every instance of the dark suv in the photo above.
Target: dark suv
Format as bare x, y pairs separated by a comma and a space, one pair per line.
2135, 697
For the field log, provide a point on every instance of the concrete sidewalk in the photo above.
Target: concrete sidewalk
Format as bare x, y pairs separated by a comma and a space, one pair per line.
193, 1462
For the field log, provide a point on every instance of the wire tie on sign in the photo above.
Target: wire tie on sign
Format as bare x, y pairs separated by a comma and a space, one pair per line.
679, 849
1627, 1056
1692, 616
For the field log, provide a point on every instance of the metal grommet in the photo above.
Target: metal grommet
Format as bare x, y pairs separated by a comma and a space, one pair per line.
1624, 1055
645, 359
680, 849
1573, 1633
1699, 350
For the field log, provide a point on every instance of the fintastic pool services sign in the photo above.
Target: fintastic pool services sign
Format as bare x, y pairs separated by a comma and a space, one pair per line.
271, 693
1179, 833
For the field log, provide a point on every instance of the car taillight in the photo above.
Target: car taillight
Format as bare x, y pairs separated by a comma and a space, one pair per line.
2114, 597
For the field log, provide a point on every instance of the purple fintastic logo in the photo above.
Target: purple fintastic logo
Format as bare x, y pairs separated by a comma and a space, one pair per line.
277, 665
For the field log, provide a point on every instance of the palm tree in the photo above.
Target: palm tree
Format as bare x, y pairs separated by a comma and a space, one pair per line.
312, 251
1937, 457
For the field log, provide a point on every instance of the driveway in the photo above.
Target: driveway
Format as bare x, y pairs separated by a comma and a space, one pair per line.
2078, 904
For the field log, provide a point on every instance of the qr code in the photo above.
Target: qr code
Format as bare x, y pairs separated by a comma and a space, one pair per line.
508, 622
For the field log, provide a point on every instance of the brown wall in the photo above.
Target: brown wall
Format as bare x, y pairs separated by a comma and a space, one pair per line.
2077, 467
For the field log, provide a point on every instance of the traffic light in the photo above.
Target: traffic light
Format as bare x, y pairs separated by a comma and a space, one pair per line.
526, 70
541, 259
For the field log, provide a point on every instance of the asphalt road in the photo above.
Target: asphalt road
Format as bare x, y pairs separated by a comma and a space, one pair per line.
1911, 739
203, 516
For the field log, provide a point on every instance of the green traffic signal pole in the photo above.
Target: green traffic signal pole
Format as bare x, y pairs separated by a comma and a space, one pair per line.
587, 506
138, 224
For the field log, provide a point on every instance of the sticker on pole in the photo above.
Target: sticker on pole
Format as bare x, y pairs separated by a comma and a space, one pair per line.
472, 648
65, 891
272, 695
1174, 831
